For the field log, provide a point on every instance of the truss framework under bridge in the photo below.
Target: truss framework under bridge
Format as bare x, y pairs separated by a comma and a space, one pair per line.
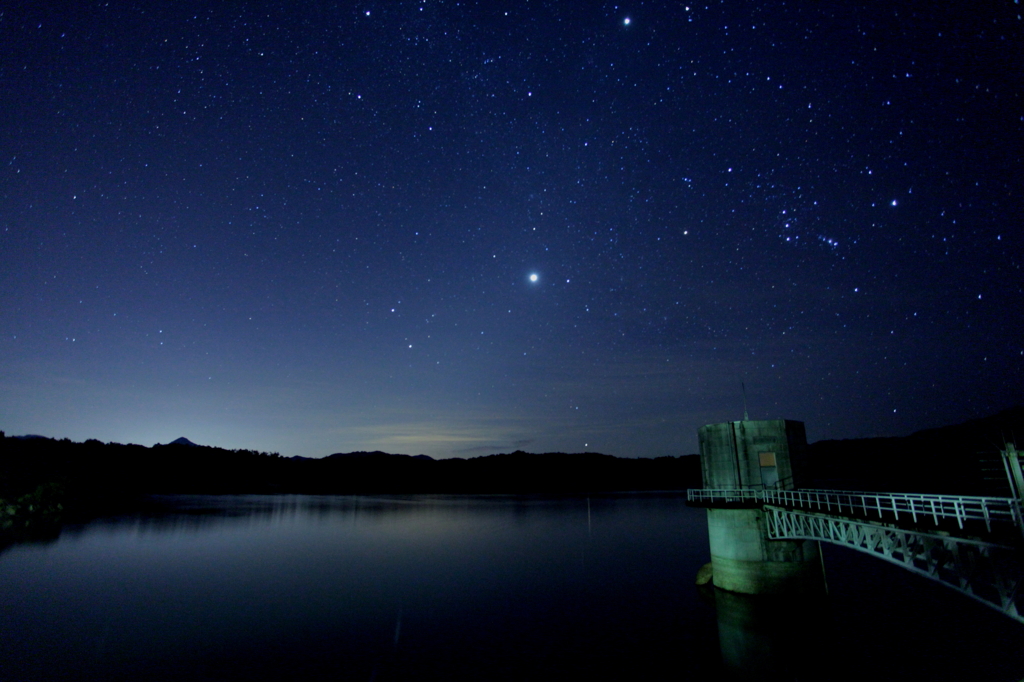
986, 571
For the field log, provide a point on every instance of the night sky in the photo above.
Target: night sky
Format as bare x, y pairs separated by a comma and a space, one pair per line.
460, 228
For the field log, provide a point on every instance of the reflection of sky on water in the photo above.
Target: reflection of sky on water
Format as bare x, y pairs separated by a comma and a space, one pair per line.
453, 587
325, 578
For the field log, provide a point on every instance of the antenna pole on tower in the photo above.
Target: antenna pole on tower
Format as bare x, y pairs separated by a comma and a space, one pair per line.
746, 417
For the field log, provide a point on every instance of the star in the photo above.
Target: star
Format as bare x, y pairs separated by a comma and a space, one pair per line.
534, 277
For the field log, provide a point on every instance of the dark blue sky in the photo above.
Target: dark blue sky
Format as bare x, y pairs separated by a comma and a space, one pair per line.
312, 228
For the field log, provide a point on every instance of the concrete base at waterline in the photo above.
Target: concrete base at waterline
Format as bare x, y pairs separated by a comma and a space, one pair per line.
744, 560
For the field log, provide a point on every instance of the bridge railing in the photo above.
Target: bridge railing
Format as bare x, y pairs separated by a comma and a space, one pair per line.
918, 507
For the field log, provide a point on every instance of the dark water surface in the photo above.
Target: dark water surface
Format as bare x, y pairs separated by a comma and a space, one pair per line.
460, 587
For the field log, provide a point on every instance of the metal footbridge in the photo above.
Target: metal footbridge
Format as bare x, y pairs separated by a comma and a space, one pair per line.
973, 544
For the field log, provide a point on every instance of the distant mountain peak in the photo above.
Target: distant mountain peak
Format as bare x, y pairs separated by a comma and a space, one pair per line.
361, 454
183, 441
376, 454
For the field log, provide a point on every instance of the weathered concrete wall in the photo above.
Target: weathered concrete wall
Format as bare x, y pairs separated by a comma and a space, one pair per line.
730, 452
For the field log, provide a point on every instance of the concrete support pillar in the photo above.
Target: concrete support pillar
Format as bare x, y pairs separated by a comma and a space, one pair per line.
756, 455
744, 560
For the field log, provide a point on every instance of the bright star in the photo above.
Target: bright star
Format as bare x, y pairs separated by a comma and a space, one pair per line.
625, 21
533, 277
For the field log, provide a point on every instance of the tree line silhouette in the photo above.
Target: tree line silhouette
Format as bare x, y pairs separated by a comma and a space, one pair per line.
45, 482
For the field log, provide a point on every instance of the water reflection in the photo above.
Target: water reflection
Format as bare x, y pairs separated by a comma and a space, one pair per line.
197, 512
455, 587
354, 587
771, 638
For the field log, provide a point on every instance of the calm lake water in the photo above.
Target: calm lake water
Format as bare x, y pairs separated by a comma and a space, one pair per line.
460, 587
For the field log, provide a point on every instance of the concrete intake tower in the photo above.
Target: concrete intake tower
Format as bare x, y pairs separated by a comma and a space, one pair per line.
756, 455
